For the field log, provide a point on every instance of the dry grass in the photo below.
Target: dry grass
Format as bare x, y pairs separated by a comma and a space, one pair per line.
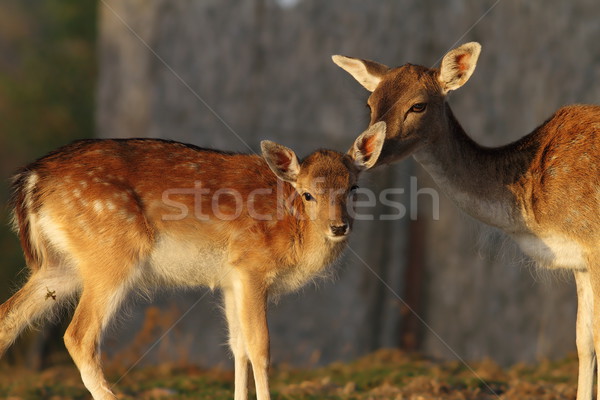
386, 374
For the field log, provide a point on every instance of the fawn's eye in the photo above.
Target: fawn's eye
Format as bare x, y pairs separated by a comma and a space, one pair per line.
354, 188
418, 107
308, 197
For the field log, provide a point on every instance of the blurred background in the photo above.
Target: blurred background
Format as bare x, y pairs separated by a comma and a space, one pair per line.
226, 74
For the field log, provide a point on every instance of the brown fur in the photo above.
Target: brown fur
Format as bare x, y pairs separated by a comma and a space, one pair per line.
542, 189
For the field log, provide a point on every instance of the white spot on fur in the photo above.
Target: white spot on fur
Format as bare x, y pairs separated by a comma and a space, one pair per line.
53, 232
124, 214
98, 206
110, 205
121, 196
83, 225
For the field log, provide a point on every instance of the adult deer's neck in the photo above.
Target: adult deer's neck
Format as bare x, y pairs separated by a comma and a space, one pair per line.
480, 180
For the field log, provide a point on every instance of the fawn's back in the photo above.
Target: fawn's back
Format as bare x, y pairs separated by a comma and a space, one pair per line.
107, 206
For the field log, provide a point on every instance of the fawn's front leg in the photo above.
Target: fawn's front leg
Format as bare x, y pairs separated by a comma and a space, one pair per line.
250, 298
236, 343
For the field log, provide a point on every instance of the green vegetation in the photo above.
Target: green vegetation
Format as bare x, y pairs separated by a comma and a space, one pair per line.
386, 374
47, 80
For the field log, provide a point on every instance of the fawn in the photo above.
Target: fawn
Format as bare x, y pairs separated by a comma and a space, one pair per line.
98, 219
543, 190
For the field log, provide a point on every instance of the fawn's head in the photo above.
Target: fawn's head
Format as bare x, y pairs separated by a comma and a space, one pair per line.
411, 99
326, 180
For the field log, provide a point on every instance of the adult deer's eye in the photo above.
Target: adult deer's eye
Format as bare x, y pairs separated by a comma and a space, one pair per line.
307, 196
418, 107
354, 188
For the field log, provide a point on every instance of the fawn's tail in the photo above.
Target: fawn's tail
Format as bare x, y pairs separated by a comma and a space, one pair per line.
23, 200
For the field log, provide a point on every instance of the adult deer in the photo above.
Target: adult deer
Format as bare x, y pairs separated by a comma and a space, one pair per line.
543, 190
98, 219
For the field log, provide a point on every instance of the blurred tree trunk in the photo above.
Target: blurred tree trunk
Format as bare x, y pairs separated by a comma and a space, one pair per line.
227, 74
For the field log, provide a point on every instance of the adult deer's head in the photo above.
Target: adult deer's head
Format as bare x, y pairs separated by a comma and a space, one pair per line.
411, 98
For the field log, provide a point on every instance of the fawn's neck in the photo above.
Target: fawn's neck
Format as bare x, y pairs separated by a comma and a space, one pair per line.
479, 179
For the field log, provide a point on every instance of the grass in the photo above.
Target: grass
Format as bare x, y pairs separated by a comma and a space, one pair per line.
386, 374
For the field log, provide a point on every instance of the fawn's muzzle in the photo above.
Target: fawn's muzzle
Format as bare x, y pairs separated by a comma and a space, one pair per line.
340, 230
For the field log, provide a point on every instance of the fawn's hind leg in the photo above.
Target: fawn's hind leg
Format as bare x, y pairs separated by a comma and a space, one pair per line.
100, 300
40, 297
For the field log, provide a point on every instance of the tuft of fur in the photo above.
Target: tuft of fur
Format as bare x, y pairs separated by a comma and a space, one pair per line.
21, 202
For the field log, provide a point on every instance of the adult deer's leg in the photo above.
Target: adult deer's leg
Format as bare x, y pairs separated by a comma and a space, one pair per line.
236, 343
251, 303
585, 335
594, 279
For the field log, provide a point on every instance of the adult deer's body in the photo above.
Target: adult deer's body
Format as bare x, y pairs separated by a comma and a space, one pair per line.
543, 190
103, 218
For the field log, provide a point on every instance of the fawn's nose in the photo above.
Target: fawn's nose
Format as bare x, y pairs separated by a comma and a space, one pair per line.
340, 230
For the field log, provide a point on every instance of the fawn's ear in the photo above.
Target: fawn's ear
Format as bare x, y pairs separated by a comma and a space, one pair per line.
367, 73
458, 66
282, 161
367, 147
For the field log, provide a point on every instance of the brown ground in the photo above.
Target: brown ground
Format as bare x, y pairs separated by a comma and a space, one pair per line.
386, 374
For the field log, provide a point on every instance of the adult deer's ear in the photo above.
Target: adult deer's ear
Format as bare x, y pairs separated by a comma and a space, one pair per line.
367, 147
367, 73
282, 161
458, 66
